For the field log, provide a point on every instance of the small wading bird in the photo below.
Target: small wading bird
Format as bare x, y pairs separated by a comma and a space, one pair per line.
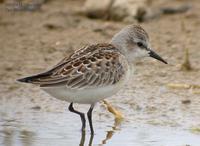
97, 71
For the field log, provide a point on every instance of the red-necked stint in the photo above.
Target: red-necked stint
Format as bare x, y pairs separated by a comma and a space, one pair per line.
97, 71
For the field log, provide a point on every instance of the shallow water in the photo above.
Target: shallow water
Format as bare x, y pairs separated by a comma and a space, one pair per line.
38, 128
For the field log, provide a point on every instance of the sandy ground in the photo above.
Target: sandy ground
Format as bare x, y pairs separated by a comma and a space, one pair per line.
31, 42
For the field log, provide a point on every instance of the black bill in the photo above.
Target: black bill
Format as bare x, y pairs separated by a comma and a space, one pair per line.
156, 56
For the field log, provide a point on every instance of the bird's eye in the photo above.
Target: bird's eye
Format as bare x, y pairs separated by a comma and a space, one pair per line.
140, 44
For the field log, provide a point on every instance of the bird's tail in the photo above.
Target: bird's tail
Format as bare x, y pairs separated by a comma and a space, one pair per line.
35, 79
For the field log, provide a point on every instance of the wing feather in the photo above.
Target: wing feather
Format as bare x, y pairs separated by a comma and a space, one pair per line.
93, 66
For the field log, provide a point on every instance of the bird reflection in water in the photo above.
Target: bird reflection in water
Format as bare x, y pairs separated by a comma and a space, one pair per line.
82, 141
110, 133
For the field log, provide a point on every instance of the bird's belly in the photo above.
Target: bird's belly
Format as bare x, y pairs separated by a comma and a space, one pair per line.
84, 96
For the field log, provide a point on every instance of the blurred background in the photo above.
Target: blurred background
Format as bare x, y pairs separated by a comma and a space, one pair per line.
161, 105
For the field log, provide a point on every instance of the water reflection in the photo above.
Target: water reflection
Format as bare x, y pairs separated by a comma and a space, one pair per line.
43, 132
82, 141
8, 137
12, 136
26, 138
91, 139
109, 134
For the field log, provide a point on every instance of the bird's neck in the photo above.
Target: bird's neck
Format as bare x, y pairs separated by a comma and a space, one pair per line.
119, 40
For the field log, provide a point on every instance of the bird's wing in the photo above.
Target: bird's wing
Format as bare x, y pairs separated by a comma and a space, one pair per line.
93, 68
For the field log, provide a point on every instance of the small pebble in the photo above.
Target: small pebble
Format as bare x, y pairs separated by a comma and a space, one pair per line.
187, 101
36, 108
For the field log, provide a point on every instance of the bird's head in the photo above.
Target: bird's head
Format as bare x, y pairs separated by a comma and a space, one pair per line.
133, 42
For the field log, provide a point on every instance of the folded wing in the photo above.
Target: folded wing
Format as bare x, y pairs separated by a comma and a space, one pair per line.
88, 68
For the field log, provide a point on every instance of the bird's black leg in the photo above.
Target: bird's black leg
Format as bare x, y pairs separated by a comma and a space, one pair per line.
89, 114
71, 109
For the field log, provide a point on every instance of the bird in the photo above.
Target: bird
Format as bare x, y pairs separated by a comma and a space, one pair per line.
96, 71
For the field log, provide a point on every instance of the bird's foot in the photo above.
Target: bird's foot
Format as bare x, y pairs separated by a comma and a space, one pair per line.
118, 115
